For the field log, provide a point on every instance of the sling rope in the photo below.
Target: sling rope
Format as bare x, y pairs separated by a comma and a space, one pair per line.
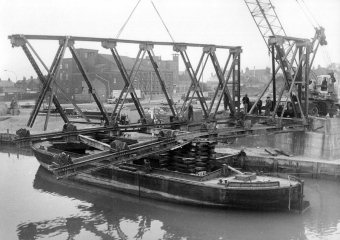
127, 20
166, 28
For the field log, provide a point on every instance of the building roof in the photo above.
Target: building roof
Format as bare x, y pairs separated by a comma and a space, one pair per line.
6, 84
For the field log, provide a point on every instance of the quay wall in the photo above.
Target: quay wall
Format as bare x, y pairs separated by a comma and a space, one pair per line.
321, 141
295, 167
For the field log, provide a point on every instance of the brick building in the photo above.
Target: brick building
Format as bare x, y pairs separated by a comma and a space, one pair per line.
105, 76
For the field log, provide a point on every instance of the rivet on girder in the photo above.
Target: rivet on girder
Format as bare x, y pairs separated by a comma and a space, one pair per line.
70, 42
109, 44
146, 46
236, 50
209, 49
17, 41
179, 47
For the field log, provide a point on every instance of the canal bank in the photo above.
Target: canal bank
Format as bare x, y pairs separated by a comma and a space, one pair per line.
301, 166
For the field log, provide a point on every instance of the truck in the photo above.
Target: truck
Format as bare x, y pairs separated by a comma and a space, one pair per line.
324, 96
116, 93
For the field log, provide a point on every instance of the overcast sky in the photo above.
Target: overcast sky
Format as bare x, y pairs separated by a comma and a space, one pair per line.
225, 22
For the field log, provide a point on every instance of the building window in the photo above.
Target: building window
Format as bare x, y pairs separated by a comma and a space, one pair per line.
66, 76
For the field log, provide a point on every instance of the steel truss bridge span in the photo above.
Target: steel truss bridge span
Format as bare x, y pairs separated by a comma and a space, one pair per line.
228, 75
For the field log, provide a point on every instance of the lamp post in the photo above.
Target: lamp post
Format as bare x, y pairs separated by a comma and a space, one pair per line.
16, 77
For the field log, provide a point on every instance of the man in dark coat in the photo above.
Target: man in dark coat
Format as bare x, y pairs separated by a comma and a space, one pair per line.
259, 106
268, 106
245, 101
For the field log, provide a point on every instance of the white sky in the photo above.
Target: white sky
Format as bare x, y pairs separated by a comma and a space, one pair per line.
225, 22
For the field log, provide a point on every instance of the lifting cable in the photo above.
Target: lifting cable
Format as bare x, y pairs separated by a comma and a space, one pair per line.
127, 20
307, 15
166, 28
310, 13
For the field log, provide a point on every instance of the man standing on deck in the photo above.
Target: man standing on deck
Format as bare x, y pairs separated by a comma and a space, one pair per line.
190, 113
259, 107
245, 101
268, 106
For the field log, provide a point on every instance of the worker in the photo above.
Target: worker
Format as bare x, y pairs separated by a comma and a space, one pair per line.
152, 114
294, 98
190, 113
245, 101
331, 87
259, 106
324, 84
312, 85
268, 106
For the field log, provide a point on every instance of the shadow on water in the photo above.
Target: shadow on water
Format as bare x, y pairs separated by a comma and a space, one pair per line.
114, 210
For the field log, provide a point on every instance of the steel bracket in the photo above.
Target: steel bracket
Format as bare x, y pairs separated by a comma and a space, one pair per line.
209, 49
109, 44
146, 46
17, 41
179, 47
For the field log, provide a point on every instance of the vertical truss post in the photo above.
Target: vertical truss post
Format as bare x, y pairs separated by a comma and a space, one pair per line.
225, 87
300, 65
198, 87
194, 86
50, 78
306, 76
20, 42
126, 78
132, 75
58, 88
149, 50
299, 73
221, 80
285, 66
273, 74
87, 80
287, 52
49, 109
286, 84
236, 85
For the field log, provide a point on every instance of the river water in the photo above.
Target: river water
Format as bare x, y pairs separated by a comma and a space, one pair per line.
33, 205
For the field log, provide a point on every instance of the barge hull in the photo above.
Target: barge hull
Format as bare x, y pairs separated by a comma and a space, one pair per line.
157, 185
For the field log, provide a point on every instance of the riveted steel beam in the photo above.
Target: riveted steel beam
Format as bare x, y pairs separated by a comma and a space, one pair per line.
161, 82
43, 80
221, 80
127, 81
194, 87
50, 78
15, 37
89, 85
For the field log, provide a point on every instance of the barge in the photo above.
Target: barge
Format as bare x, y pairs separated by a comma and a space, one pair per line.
188, 174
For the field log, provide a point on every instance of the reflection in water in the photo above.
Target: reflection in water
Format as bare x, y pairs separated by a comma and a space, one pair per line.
68, 210
109, 214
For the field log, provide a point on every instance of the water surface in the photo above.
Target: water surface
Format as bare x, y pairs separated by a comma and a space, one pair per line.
33, 205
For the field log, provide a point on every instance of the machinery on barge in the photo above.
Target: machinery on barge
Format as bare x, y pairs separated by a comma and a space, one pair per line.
175, 166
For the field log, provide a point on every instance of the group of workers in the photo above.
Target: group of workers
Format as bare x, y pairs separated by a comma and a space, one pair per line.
267, 107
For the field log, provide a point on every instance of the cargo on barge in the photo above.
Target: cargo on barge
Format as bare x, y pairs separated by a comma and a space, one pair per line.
185, 173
